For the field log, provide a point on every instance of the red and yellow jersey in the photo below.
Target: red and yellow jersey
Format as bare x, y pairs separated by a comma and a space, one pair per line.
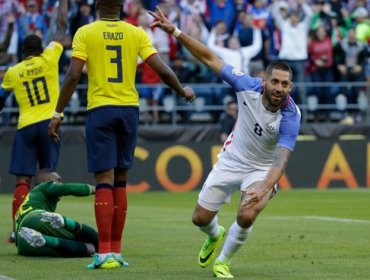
35, 83
110, 49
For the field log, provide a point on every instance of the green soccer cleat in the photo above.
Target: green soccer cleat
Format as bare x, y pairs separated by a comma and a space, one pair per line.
120, 258
221, 270
32, 237
208, 252
108, 262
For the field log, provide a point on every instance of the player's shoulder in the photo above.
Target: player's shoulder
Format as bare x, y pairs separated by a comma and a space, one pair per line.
290, 110
240, 81
53, 46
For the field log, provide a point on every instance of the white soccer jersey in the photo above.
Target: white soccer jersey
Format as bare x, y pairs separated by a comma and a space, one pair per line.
257, 131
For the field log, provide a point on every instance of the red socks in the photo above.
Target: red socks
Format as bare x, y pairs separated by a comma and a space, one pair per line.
20, 193
119, 216
104, 216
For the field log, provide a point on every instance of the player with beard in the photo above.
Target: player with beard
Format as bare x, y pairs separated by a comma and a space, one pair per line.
254, 155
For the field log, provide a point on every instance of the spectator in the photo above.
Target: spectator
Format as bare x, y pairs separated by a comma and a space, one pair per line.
234, 54
153, 94
349, 65
227, 120
185, 75
132, 10
365, 58
362, 24
8, 7
4, 44
260, 13
191, 12
320, 52
340, 27
221, 10
81, 17
322, 16
201, 72
30, 21
245, 35
294, 41
222, 34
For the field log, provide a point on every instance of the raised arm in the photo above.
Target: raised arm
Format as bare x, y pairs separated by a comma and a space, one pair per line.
256, 46
5, 44
197, 49
62, 20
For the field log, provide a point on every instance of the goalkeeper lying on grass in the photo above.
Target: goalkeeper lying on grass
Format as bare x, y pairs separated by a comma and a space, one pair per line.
41, 232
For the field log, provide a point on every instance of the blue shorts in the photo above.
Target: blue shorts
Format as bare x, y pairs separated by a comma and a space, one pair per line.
33, 145
111, 134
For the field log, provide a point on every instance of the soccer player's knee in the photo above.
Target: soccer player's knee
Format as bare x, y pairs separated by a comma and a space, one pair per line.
199, 220
246, 218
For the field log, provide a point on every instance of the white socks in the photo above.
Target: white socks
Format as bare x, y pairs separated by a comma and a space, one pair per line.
212, 229
234, 240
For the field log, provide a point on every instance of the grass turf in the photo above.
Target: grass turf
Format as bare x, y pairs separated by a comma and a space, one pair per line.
302, 234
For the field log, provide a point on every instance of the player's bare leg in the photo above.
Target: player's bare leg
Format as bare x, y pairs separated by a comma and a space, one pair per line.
239, 232
207, 222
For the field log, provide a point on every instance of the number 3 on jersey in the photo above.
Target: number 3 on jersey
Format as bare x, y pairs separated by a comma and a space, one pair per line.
118, 61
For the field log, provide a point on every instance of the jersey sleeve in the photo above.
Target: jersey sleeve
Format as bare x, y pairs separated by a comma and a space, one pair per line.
59, 189
8, 84
240, 81
53, 51
146, 48
289, 126
3, 93
79, 46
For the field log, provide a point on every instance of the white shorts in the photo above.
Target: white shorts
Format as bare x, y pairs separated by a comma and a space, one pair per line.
225, 179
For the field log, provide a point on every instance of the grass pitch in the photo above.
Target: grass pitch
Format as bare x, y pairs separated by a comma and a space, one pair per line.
302, 234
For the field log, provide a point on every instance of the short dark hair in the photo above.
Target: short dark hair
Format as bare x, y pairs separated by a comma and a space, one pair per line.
44, 175
32, 44
109, 4
279, 66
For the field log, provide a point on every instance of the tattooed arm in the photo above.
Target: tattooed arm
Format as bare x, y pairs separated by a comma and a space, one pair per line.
259, 190
279, 164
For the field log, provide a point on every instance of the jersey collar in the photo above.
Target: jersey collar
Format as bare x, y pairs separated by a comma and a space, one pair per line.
110, 19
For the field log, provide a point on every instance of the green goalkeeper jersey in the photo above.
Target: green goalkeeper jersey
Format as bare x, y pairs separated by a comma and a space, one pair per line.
45, 196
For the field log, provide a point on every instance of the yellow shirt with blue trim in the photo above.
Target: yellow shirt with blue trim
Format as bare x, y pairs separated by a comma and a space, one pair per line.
110, 49
35, 83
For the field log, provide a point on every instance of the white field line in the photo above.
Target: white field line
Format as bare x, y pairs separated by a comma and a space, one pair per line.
319, 218
4, 277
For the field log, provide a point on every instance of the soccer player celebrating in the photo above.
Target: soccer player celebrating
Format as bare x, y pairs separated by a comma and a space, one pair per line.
42, 232
110, 48
254, 155
35, 83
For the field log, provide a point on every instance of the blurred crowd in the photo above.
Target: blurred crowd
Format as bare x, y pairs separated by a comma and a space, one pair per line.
322, 40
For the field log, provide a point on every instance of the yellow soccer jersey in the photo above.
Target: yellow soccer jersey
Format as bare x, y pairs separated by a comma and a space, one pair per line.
35, 83
110, 49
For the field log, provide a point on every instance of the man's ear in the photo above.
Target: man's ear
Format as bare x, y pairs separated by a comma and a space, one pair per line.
263, 78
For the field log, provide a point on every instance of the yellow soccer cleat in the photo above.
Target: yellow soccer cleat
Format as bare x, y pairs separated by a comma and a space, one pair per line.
108, 262
208, 252
221, 270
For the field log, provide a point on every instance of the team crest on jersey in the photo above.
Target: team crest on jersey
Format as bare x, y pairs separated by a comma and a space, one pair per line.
50, 46
237, 72
270, 129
